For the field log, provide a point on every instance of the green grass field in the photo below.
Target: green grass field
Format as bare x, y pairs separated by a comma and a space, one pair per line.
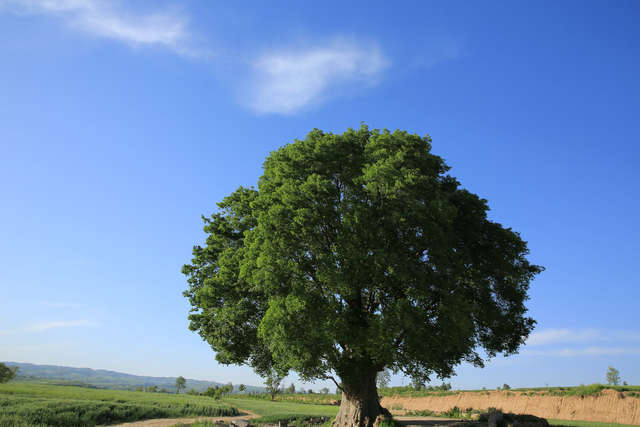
28, 404
314, 399
267, 408
32, 404
585, 424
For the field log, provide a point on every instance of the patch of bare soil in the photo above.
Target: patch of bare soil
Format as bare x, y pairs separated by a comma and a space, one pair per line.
609, 406
167, 422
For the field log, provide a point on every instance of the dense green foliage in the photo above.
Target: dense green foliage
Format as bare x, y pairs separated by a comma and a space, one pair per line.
358, 252
383, 378
7, 373
31, 404
217, 392
613, 376
181, 383
273, 379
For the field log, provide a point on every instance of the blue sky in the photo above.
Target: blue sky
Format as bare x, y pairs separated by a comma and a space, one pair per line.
122, 122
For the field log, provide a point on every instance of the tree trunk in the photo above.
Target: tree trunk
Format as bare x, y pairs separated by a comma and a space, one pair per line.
360, 405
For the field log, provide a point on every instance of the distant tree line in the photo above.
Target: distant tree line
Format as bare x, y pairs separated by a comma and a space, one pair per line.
215, 392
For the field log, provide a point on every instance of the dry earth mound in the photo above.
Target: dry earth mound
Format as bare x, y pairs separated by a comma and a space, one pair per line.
607, 406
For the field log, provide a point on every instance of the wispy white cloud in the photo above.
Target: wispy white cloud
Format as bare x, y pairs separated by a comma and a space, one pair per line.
588, 351
46, 326
564, 342
287, 81
567, 336
59, 304
280, 81
167, 28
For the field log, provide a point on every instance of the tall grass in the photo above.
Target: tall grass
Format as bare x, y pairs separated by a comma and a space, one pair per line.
572, 423
312, 399
47, 405
267, 408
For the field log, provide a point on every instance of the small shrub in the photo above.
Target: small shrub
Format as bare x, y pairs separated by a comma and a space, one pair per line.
453, 413
389, 422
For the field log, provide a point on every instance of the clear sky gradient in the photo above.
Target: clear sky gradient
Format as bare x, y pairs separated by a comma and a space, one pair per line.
122, 122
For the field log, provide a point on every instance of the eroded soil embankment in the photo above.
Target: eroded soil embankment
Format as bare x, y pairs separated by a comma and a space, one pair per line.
608, 406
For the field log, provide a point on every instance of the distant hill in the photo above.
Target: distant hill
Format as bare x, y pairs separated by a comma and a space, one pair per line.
102, 378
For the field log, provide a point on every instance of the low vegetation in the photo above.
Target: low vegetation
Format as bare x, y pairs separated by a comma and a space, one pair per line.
267, 408
567, 423
296, 421
312, 399
32, 404
46, 405
582, 390
292, 420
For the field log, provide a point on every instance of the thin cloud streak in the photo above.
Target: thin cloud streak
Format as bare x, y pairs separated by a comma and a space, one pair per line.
56, 304
104, 19
281, 81
46, 326
566, 336
589, 351
288, 81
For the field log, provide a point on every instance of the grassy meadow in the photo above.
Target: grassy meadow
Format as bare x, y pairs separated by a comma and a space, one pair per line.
33, 404
280, 410
567, 423
29, 404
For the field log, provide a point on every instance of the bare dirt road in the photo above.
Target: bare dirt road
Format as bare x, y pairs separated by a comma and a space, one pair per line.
167, 422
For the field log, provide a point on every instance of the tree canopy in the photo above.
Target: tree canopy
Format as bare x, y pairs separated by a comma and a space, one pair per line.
7, 373
181, 383
613, 376
358, 252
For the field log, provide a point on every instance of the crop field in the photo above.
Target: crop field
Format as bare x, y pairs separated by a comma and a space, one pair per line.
310, 399
267, 408
27, 404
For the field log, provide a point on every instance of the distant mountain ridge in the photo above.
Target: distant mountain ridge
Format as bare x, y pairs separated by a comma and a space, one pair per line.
103, 378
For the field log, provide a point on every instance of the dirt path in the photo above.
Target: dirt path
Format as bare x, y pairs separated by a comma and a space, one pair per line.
167, 422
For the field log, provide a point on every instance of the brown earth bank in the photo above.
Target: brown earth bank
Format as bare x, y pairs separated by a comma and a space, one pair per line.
608, 406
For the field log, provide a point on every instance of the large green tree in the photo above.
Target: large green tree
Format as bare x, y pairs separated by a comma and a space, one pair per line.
358, 252
613, 376
181, 383
7, 373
